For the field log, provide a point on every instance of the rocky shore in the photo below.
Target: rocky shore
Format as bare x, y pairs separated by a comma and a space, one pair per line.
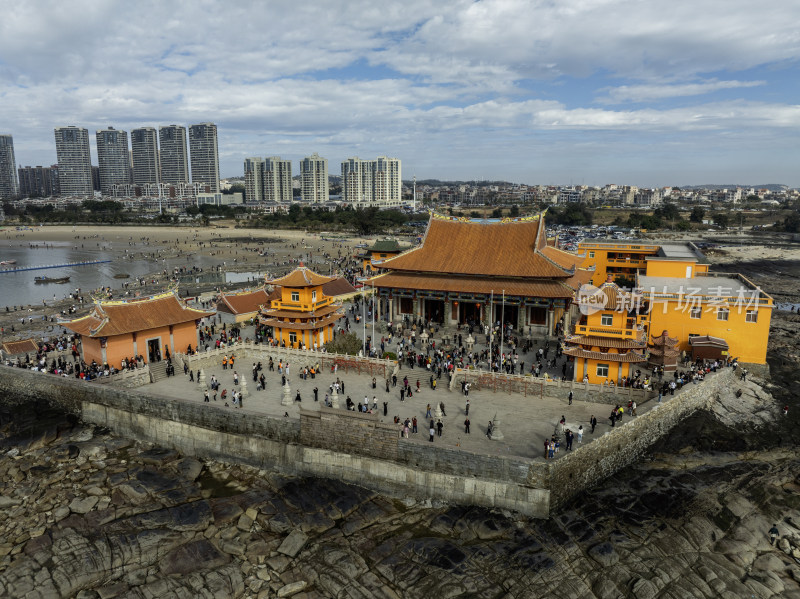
89, 515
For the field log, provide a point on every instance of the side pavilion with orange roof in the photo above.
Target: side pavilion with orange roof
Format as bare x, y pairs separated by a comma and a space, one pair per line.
127, 328
482, 271
241, 305
303, 316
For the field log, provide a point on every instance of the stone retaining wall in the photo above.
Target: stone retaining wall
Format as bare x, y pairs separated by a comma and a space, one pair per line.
357, 448
623, 445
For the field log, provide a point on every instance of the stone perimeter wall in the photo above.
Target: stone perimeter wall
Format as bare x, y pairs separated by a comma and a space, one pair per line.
357, 448
590, 464
275, 443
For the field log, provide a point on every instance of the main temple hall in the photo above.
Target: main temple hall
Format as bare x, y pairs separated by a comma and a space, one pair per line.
470, 270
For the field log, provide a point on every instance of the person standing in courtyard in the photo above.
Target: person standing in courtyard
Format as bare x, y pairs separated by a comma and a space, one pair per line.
580, 434
432, 431
466, 425
569, 398
466, 407
593, 422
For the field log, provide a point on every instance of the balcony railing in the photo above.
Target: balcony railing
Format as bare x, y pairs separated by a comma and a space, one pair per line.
626, 333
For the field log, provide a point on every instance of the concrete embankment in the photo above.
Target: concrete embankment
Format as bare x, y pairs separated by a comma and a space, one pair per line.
358, 448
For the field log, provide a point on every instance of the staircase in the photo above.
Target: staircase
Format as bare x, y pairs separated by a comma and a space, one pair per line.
158, 371
423, 375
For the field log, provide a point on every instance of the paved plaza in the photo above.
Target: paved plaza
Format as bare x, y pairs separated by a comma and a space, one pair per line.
524, 421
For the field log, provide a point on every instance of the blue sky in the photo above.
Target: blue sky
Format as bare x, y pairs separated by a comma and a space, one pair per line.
554, 92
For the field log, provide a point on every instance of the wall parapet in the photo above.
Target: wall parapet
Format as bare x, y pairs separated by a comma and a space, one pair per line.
534, 386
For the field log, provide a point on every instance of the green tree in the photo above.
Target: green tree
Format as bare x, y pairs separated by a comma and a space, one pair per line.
345, 343
697, 214
791, 223
722, 220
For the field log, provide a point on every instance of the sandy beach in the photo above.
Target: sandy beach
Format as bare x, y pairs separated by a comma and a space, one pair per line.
221, 247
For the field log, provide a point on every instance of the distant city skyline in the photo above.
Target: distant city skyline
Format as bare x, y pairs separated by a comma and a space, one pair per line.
619, 91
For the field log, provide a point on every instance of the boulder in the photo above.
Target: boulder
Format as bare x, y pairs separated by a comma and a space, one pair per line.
293, 543
292, 588
81, 505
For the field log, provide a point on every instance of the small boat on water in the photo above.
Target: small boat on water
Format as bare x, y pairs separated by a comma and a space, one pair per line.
7, 262
51, 279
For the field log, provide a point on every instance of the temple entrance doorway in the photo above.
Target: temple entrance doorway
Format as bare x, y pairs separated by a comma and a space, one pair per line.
469, 312
433, 309
154, 350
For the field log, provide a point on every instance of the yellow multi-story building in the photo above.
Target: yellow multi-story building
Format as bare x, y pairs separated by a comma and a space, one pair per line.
726, 306
303, 316
675, 293
610, 338
623, 260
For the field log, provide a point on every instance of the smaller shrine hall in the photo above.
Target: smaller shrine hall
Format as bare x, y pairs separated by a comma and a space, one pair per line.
303, 317
145, 327
383, 249
240, 306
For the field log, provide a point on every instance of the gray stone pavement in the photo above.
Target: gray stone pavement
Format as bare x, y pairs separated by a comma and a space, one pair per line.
525, 421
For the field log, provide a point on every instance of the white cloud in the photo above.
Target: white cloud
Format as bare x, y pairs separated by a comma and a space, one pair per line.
649, 92
422, 78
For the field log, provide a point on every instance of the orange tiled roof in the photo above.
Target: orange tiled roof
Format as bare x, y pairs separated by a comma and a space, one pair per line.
563, 258
510, 249
12, 348
338, 286
302, 326
582, 276
243, 302
596, 355
592, 341
512, 287
301, 277
120, 317
295, 314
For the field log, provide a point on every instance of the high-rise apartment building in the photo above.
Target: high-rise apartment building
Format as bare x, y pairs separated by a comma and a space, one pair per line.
144, 151
204, 155
254, 179
74, 161
38, 181
277, 180
113, 159
376, 181
314, 178
9, 186
173, 156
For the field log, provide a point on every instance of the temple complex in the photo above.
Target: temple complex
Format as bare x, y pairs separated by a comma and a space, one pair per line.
304, 316
148, 327
485, 271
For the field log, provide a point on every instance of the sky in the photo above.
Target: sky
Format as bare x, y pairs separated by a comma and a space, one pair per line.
552, 92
